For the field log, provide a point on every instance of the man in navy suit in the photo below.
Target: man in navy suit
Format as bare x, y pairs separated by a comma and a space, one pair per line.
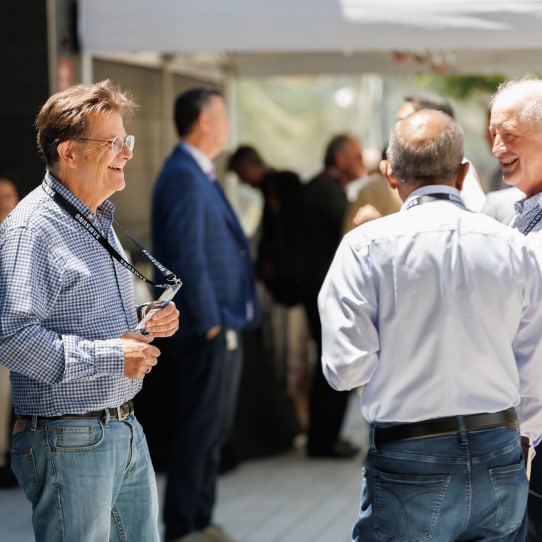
196, 233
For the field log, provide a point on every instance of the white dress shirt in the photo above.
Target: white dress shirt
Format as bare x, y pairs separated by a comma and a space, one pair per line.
500, 204
204, 162
472, 192
436, 311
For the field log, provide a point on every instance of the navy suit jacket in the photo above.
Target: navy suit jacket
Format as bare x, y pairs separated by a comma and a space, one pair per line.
197, 235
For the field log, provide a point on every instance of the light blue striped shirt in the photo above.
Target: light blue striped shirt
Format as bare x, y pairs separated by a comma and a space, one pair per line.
64, 304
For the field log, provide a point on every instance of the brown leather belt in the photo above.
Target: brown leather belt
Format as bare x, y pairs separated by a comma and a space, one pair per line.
445, 426
118, 413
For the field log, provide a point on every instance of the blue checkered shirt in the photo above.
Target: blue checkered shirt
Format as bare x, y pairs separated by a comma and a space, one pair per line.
527, 210
64, 304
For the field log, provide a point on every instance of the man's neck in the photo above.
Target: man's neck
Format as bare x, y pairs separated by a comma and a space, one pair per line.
333, 172
406, 188
201, 145
82, 192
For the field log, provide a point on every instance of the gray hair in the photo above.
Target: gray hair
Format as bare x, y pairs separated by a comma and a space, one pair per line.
527, 94
426, 159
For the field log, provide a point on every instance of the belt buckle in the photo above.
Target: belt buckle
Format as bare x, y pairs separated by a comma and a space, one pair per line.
123, 413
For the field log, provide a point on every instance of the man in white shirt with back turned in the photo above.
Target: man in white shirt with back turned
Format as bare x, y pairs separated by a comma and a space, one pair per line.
436, 311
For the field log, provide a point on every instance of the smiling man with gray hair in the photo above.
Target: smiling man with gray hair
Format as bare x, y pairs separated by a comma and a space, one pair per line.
516, 130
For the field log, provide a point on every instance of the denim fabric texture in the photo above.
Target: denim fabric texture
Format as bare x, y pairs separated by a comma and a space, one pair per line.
93, 476
467, 486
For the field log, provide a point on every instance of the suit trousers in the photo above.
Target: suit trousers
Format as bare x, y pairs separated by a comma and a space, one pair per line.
207, 374
327, 407
5, 415
534, 504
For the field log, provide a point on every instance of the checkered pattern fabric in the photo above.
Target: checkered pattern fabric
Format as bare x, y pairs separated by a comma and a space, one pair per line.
64, 304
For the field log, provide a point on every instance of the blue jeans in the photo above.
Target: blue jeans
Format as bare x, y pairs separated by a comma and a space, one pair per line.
469, 486
88, 479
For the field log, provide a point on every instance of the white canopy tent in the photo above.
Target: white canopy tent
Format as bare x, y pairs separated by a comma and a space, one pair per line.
282, 37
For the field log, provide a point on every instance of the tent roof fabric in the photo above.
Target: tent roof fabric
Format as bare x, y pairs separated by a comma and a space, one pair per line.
347, 28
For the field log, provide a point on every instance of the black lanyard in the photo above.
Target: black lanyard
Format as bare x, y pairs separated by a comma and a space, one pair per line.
74, 212
419, 200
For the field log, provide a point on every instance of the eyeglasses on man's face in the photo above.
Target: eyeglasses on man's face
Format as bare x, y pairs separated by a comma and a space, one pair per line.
117, 143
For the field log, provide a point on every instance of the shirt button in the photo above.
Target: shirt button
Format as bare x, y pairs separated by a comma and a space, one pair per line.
242, 253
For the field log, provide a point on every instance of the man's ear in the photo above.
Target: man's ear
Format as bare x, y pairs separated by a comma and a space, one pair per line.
204, 122
338, 160
67, 153
461, 174
385, 169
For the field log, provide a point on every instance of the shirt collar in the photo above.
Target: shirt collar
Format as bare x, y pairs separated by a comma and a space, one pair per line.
525, 205
428, 190
526, 210
204, 162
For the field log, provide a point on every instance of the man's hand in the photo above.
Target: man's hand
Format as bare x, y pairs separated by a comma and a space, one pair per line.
164, 322
212, 333
526, 449
139, 355
365, 213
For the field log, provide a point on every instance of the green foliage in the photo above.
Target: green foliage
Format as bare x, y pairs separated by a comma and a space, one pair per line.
462, 86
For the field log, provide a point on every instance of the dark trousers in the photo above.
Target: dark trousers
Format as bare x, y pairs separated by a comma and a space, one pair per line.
534, 504
206, 380
327, 406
